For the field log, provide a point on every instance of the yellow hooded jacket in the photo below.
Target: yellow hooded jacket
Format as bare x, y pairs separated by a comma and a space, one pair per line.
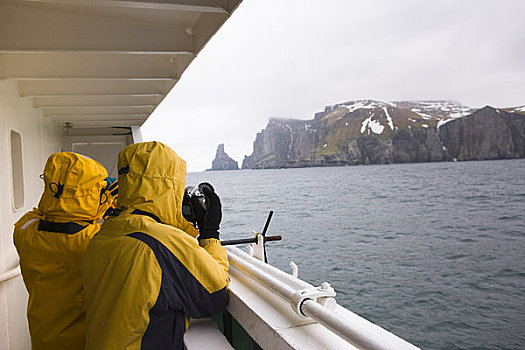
145, 272
51, 242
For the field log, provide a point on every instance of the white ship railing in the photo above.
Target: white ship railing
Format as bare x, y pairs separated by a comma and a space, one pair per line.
10, 274
355, 330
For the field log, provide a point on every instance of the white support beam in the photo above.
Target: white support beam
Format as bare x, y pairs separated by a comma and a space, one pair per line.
99, 100
61, 96
91, 65
173, 5
97, 52
32, 28
79, 109
103, 123
72, 111
96, 117
30, 88
204, 28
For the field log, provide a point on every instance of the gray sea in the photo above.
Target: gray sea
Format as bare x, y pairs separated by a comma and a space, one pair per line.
433, 252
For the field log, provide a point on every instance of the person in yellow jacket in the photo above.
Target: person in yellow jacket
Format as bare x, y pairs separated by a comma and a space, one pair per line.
145, 272
51, 241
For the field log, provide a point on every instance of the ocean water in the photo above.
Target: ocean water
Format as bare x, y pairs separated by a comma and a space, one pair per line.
433, 252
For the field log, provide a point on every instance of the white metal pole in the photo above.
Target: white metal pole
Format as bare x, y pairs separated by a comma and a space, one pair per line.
9, 274
269, 269
350, 332
287, 286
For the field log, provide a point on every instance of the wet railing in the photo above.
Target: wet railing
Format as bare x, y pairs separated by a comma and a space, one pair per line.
315, 303
10, 274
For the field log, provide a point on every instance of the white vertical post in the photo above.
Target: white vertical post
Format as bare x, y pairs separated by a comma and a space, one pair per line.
258, 248
137, 135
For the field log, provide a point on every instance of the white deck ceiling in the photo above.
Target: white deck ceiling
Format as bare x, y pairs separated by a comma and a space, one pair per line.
101, 63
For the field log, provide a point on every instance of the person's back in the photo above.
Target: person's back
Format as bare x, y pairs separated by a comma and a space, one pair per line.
51, 242
144, 272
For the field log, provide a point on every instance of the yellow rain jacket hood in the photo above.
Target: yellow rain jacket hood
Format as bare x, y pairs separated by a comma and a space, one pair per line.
74, 189
145, 272
51, 242
152, 178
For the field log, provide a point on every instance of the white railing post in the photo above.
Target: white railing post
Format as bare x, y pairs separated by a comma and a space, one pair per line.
136, 133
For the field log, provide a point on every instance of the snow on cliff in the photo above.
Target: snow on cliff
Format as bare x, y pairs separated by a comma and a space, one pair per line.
440, 111
371, 125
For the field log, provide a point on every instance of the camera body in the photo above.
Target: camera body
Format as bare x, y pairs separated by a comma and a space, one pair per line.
193, 197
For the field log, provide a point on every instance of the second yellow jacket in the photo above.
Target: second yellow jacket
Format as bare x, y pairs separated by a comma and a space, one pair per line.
145, 272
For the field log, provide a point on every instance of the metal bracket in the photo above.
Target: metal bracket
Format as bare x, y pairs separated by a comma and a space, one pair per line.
295, 269
258, 248
323, 295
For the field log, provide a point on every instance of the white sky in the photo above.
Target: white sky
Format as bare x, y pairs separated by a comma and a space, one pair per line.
291, 58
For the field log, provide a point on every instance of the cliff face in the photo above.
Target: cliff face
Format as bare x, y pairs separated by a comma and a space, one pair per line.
370, 132
222, 161
486, 134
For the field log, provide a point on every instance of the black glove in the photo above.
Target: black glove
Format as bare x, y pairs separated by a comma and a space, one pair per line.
209, 218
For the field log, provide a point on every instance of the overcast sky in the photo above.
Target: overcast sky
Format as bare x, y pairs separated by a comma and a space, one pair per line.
291, 58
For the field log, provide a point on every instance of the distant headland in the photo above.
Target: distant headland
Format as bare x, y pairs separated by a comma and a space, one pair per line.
374, 132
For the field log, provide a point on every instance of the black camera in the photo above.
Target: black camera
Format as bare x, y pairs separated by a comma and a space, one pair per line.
194, 196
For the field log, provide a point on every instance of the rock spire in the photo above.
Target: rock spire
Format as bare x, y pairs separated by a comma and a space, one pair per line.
223, 161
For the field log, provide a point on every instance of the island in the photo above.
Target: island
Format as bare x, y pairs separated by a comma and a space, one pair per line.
223, 161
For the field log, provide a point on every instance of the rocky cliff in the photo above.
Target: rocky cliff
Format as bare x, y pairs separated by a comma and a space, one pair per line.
372, 132
223, 161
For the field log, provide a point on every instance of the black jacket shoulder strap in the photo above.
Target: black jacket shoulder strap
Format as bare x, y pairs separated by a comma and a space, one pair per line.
142, 212
60, 227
